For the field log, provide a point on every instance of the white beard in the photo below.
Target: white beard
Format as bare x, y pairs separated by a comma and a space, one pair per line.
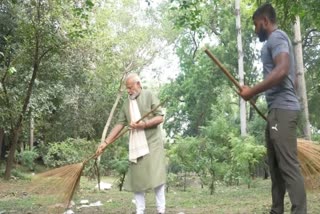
134, 96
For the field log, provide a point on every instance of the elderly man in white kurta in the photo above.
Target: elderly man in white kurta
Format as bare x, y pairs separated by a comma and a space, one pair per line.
146, 152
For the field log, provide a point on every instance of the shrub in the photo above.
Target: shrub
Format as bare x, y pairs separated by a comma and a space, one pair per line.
27, 158
68, 152
16, 175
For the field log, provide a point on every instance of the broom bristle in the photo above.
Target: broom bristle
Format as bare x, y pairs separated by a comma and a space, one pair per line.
309, 157
60, 182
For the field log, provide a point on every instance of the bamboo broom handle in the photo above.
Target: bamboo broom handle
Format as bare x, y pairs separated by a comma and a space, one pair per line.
225, 71
233, 80
126, 130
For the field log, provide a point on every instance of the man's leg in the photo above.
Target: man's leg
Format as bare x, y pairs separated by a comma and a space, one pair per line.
278, 188
160, 198
140, 202
285, 145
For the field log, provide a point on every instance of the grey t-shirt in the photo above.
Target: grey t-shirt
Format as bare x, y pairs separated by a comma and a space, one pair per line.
281, 96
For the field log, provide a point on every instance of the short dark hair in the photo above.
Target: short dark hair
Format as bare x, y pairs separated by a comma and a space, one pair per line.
266, 10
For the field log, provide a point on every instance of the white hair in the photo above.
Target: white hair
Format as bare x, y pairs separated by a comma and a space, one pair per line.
134, 76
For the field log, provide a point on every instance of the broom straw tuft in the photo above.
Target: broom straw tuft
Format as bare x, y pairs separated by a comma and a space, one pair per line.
60, 182
309, 158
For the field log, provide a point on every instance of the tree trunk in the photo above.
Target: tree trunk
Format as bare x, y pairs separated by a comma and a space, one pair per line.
243, 121
185, 181
106, 127
1, 142
17, 130
31, 131
212, 186
122, 177
10, 159
301, 85
18, 126
115, 104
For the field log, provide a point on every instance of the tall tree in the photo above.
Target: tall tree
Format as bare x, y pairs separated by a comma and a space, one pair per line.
243, 120
301, 86
39, 33
209, 23
37, 55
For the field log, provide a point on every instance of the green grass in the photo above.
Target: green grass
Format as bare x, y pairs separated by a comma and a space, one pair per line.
225, 200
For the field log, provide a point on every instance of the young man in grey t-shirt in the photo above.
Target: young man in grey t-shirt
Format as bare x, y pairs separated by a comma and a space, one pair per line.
283, 105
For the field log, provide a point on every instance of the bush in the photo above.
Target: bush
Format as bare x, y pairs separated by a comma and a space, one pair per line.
27, 158
121, 167
16, 175
68, 152
246, 153
173, 180
316, 137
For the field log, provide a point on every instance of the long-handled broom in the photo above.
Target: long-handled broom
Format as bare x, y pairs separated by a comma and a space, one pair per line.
308, 151
64, 180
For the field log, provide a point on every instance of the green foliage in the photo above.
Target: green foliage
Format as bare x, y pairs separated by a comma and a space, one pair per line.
209, 155
312, 62
190, 14
218, 154
287, 10
194, 90
17, 174
83, 87
121, 167
201, 81
68, 152
37, 36
217, 131
245, 155
257, 125
172, 180
316, 137
186, 155
115, 160
27, 158
182, 154
86, 46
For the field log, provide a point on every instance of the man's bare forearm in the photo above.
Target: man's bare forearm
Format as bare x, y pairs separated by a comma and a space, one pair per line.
114, 132
153, 121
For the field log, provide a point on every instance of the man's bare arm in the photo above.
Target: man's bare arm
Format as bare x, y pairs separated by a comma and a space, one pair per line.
279, 72
114, 132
